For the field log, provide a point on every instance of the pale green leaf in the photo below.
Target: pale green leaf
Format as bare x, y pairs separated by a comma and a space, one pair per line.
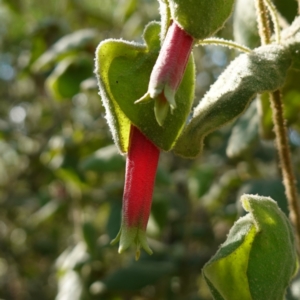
258, 259
68, 44
274, 243
64, 82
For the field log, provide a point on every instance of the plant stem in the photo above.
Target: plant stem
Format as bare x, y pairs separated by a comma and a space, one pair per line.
275, 19
263, 22
289, 179
224, 43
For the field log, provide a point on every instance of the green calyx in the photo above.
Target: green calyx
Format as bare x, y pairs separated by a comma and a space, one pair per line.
244, 267
201, 18
123, 70
133, 235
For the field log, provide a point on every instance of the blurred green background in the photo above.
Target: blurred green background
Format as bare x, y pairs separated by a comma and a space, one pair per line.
61, 178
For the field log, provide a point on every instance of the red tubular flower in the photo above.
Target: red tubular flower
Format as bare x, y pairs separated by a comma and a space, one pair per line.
168, 70
141, 165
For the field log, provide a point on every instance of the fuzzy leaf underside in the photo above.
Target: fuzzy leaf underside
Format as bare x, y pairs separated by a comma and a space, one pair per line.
123, 71
264, 69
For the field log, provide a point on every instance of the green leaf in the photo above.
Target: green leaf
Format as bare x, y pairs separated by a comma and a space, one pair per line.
90, 236
266, 279
138, 275
71, 178
163, 176
220, 190
123, 70
291, 97
69, 44
201, 19
267, 187
159, 210
244, 132
259, 257
14, 5
200, 180
45, 213
106, 159
123, 11
114, 220
224, 271
66, 264
265, 116
262, 70
64, 81
291, 101
287, 8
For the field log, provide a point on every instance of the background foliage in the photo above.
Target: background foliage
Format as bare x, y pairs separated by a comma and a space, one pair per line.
61, 178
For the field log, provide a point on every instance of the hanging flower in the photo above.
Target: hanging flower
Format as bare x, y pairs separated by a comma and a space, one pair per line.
168, 71
141, 165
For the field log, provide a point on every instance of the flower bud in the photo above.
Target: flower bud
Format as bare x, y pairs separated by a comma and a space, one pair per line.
168, 70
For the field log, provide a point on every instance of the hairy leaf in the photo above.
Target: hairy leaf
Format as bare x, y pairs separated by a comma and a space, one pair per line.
201, 19
259, 257
123, 70
262, 70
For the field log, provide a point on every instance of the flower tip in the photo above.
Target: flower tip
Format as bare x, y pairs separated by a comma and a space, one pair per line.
170, 96
144, 99
142, 241
137, 254
155, 91
128, 236
161, 109
148, 250
121, 249
116, 239
138, 251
